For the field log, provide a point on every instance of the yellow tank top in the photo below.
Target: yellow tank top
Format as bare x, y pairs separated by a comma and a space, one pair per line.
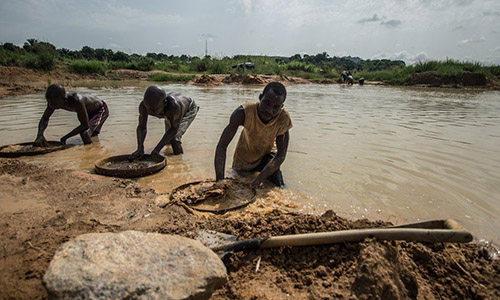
257, 139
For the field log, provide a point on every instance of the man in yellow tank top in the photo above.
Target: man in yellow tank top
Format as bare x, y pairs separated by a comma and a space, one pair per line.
264, 122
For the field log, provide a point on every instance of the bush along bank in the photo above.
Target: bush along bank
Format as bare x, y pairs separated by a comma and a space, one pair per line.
320, 68
449, 73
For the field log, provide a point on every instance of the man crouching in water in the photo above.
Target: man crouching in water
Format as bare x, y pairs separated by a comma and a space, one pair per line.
264, 122
90, 110
177, 110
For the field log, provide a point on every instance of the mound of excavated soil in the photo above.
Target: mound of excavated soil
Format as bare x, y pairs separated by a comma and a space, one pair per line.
368, 270
434, 79
41, 208
244, 79
209, 80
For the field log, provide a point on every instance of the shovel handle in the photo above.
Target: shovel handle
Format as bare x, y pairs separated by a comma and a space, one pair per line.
358, 235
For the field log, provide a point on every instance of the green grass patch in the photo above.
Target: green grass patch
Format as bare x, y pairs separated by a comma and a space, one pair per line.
86, 67
171, 77
399, 77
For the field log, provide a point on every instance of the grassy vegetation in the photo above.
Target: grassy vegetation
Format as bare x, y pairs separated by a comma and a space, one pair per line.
84, 67
170, 77
448, 68
44, 56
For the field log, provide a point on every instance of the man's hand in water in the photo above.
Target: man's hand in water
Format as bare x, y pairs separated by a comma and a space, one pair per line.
136, 155
40, 142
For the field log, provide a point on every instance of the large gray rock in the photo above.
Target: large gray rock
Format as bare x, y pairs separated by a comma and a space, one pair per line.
133, 265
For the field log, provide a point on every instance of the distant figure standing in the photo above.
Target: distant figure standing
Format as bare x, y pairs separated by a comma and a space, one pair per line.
344, 76
361, 81
178, 111
91, 112
265, 123
350, 80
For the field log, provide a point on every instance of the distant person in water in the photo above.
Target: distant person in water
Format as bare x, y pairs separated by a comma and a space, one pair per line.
178, 111
265, 123
91, 111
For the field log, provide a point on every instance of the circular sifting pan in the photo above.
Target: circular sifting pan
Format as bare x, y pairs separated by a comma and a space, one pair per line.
120, 166
27, 149
215, 197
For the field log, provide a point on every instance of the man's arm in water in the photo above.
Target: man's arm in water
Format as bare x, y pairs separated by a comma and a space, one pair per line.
174, 117
237, 119
273, 165
141, 132
83, 117
167, 136
40, 140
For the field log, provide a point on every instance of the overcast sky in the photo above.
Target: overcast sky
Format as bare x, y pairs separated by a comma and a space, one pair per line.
395, 29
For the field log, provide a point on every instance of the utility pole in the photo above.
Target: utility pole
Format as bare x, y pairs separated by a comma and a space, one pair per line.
206, 47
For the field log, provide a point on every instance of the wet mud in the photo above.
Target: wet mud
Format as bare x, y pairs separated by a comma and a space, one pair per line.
214, 196
70, 203
18, 149
126, 165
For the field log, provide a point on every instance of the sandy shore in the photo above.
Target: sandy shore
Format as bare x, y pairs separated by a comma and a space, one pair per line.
15, 81
43, 207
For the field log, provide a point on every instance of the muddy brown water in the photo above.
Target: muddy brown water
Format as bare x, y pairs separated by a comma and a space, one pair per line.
397, 154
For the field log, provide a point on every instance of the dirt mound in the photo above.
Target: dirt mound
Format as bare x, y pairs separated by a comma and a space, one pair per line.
42, 208
474, 79
12, 90
435, 80
368, 270
210, 80
244, 79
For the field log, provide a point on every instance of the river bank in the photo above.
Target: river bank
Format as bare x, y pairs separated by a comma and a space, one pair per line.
16, 81
44, 207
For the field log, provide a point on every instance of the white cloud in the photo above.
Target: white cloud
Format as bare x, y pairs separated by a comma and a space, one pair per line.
472, 41
113, 46
404, 56
355, 27
247, 4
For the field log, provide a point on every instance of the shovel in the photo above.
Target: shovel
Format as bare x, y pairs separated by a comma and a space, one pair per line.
436, 231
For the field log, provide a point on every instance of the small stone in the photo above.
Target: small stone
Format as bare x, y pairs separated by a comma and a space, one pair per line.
162, 200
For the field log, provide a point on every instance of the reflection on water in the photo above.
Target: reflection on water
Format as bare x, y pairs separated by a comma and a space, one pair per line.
369, 151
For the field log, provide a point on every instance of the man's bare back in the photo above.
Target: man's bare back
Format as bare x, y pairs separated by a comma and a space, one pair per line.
177, 110
90, 110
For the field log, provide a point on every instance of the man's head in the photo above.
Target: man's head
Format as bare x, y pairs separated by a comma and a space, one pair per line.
154, 101
271, 101
55, 96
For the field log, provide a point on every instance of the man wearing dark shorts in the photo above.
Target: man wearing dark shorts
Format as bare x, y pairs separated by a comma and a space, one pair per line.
265, 123
91, 112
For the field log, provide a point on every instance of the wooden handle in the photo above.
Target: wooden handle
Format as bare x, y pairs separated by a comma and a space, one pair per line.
357, 235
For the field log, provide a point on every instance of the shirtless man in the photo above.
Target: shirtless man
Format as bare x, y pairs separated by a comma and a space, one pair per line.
177, 110
264, 122
90, 110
